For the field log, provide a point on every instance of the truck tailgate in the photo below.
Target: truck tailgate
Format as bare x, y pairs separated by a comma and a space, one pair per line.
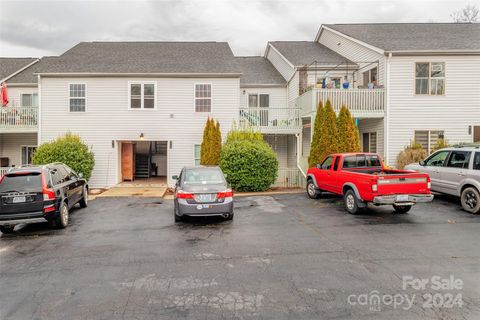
414, 183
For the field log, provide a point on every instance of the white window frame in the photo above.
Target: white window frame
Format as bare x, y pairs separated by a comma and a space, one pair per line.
369, 133
194, 155
142, 96
429, 79
70, 98
195, 97
21, 152
31, 94
429, 145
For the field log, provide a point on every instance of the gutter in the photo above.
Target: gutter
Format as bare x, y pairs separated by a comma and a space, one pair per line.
432, 52
163, 75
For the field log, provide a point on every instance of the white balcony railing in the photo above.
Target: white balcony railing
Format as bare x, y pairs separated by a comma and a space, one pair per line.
18, 118
271, 118
362, 103
4, 170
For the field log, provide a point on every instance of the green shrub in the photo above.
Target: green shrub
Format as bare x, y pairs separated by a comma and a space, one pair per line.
440, 144
412, 153
68, 149
250, 165
243, 133
211, 143
348, 138
325, 134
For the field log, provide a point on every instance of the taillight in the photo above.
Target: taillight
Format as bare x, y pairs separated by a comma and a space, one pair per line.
184, 195
226, 194
48, 194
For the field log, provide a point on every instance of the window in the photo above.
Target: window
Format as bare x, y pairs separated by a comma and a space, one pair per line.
203, 98
370, 76
77, 97
476, 161
197, 152
327, 163
428, 138
459, 159
361, 161
430, 78
437, 159
142, 95
370, 142
259, 101
29, 100
27, 154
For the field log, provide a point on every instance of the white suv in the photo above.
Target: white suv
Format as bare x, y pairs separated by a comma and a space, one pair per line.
455, 171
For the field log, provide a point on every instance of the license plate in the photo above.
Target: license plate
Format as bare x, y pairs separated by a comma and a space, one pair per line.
204, 198
19, 199
402, 197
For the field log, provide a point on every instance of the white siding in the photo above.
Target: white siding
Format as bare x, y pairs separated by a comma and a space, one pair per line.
361, 55
285, 148
373, 125
453, 112
108, 118
277, 99
293, 87
11, 145
283, 67
14, 94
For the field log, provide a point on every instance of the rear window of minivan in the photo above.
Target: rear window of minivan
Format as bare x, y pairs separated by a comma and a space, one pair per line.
21, 182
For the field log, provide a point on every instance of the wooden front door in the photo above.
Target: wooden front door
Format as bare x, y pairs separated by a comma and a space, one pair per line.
476, 134
128, 161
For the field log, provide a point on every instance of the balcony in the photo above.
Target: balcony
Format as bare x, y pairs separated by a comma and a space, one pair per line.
362, 103
18, 119
271, 119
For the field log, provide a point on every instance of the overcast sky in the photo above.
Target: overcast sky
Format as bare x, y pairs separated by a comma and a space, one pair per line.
38, 28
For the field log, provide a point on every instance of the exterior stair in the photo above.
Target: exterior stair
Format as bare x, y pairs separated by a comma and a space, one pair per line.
142, 166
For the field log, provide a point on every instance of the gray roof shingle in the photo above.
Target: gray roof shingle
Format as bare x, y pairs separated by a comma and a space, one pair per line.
8, 66
259, 71
414, 36
301, 53
145, 57
28, 75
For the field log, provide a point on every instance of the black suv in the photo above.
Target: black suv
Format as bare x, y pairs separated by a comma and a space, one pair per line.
31, 194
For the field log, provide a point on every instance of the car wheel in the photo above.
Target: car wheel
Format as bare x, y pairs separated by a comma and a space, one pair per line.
401, 209
62, 221
351, 202
471, 200
312, 191
84, 201
7, 229
177, 217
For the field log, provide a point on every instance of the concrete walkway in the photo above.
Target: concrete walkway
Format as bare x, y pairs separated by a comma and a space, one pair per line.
139, 191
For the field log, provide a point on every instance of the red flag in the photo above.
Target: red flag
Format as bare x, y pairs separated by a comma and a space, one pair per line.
4, 95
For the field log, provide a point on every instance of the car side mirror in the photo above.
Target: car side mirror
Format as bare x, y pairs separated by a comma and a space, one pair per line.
175, 177
80, 175
422, 163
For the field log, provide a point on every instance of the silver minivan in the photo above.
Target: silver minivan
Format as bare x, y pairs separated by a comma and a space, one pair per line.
455, 171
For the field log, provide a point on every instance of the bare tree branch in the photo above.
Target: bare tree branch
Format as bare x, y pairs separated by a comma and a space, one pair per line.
469, 14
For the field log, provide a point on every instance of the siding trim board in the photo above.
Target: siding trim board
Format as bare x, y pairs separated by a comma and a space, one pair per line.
366, 45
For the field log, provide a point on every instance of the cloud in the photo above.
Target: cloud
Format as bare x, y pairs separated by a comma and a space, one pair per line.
54, 26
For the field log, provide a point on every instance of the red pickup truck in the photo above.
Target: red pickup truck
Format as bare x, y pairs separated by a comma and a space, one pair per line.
362, 178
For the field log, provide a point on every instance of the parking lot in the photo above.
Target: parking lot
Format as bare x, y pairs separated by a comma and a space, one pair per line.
282, 257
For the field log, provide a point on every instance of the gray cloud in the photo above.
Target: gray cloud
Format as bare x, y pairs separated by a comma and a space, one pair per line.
51, 27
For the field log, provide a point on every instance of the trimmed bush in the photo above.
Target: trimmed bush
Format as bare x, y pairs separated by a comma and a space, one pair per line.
348, 139
412, 153
211, 143
325, 134
68, 149
248, 161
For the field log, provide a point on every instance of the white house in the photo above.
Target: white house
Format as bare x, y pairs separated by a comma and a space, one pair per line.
142, 106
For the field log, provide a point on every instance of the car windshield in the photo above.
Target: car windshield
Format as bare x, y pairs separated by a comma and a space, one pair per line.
204, 176
24, 182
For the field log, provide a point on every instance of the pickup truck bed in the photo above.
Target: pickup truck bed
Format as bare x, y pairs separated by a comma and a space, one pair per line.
362, 178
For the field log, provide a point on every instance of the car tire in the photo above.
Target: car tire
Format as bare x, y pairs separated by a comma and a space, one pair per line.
402, 209
84, 201
177, 217
470, 200
351, 202
312, 190
62, 220
7, 229
230, 217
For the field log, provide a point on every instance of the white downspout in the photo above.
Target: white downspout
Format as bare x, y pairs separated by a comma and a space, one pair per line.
39, 115
387, 111
299, 146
